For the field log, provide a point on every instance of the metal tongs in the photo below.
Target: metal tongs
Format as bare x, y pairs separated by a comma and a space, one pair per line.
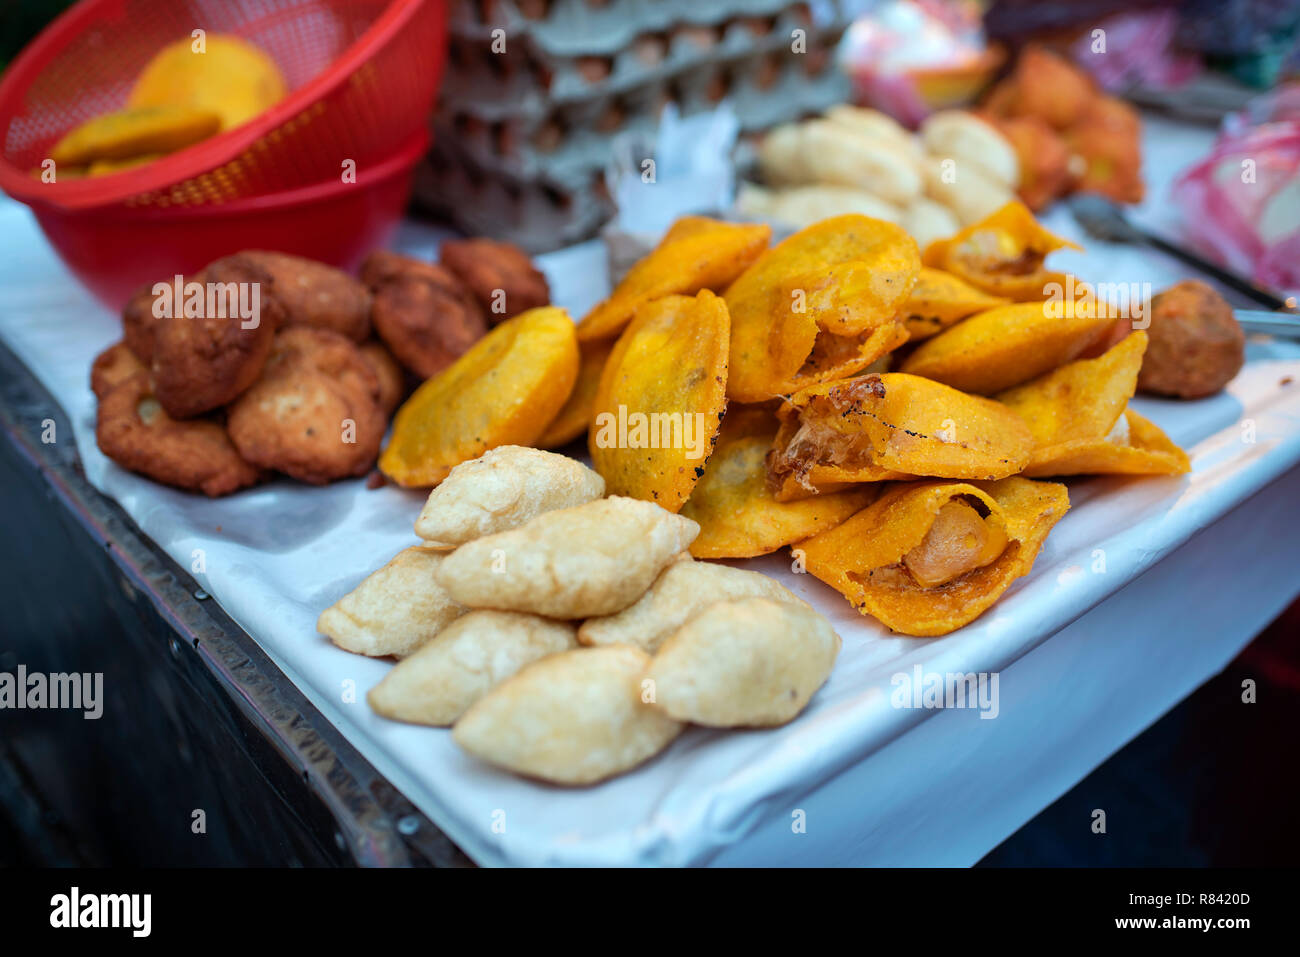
1104, 220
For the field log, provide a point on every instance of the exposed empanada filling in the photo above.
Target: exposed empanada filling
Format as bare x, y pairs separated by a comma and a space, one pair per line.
995, 252
960, 541
826, 433
1119, 435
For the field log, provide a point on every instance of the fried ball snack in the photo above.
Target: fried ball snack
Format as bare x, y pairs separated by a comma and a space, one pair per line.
1044, 159
927, 558
314, 294
389, 373
128, 133
696, 253
1002, 255
683, 590
574, 419
502, 489
423, 313
315, 413
204, 361
660, 399
736, 507
504, 391
939, 300
573, 718
112, 367
819, 306
1081, 422
890, 426
465, 661
395, 610
752, 662
139, 322
232, 78
1050, 88
501, 277
1108, 136
1196, 344
592, 559
134, 430
994, 350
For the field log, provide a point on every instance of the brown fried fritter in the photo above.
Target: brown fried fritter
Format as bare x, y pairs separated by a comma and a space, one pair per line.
314, 294
113, 366
422, 312
203, 361
315, 412
500, 275
391, 375
136, 432
138, 322
1195, 345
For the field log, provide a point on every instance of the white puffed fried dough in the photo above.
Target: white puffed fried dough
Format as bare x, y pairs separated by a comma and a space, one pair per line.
395, 610
752, 662
502, 489
573, 718
465, 661
682, 590
592, 559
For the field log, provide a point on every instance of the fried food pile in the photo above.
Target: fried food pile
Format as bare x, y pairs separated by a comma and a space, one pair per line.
265, 362
747, 389
1068, 135
568, 636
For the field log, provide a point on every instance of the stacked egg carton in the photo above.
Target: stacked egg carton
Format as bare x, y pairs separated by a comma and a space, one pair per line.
522, 136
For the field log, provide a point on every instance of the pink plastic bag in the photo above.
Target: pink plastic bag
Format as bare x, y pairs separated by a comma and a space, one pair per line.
1241, 204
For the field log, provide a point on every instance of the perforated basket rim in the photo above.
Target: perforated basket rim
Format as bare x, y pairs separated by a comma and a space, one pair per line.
202, 157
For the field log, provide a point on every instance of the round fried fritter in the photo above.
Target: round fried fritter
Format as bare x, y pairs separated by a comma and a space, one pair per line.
138, 322
112, 367
391, 375
315, 412
136, 432
500, 275
426, 318
204, 361
1195, 344
314, 294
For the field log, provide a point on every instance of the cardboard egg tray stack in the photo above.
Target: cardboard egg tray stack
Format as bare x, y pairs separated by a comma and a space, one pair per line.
522, 137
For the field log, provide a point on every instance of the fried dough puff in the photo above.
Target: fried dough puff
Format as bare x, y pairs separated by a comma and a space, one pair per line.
502, 278
315, 413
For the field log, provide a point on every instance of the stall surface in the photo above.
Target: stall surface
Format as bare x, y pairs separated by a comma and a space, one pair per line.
1126, 611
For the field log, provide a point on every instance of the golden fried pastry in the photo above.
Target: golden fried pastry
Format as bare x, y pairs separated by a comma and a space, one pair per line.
750, 662
1044, 159
571, 563
314, 294
134, 430
112, 367
1196, 344
395, 610
1050, 87
465, 661
1108, 136
573, 718
1081, 422
939, 300
207, 353
682, 590
132, 132
890, 426
502, 489
927, 558
500, 275
422, 312
574, 419
391, 376
735, 505
315, 412
139, 322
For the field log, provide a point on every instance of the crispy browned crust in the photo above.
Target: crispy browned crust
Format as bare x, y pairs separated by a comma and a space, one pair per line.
486, 266
391, 375
134, 430
315, 412
1195, 345
200, 363
425, 316
138, 323
314, 294
112, 367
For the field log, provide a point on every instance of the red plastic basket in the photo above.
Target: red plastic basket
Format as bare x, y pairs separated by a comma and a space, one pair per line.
362, 76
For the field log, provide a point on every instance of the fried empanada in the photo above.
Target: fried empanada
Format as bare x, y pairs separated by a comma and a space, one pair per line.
940, 300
